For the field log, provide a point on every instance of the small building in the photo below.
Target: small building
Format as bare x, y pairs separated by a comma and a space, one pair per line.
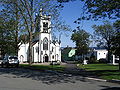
100, 53
68, 54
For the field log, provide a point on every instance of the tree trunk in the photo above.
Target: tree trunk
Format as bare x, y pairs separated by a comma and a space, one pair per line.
16, 27
16, 43
30, 33
30, 48
108, 56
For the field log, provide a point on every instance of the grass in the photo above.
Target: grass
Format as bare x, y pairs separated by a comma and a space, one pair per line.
44, 67
92, 67
104, 71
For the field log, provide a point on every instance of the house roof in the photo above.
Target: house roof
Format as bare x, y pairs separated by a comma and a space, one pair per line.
98, 48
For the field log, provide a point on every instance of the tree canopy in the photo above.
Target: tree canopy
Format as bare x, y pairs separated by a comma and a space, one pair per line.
82, 41
116, 38
104, 34
96, 9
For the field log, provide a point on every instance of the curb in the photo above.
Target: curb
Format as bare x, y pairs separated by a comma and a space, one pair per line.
103, 80
96, 79
114, 81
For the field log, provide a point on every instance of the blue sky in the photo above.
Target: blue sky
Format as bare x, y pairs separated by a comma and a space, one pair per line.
69, 14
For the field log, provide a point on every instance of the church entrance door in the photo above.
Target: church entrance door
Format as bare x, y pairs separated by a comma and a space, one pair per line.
46, 58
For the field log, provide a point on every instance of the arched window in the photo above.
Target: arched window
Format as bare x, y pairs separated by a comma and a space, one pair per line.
45, 44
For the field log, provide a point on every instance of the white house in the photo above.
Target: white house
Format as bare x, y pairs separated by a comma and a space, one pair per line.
44, 49
100, 53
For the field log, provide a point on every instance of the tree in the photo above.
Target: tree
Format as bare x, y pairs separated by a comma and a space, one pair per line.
10, 13
96, 9
82, 40
6, 39
116, 40
102, 8
103, 35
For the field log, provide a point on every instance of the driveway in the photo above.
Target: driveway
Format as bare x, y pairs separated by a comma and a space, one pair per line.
26, 79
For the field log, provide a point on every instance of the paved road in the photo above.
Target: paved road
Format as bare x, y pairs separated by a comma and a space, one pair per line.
25, 79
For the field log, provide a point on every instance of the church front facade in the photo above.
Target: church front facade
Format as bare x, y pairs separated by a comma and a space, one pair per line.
44, 49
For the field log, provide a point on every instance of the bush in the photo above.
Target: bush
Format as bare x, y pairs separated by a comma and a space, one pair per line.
102, 60
92, 59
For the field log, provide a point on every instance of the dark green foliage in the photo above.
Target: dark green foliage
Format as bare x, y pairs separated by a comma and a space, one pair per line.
7, 39
103, 8
82, 41
116, 40
11, 17
64, 53
92, 59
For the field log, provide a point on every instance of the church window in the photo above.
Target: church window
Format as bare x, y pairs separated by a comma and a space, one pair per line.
45, 27
52, 49
41, 52
53, 57
37, 49
45, 44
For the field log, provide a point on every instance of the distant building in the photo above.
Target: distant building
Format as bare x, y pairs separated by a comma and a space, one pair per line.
68, 54
100, 53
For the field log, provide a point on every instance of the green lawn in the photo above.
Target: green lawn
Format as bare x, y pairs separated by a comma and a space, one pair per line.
104, 71
45, 67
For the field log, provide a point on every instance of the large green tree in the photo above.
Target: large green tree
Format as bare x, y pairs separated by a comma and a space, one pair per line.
82, 41
7, 38
116, 40
11, 14
103, 35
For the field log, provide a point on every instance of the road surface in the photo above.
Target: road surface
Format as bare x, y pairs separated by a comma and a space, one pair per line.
26, 79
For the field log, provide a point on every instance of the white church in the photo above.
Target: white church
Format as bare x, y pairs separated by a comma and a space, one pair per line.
44, 49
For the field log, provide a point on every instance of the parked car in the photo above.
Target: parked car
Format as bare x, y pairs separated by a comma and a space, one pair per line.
0, 62
10, 61
55, 63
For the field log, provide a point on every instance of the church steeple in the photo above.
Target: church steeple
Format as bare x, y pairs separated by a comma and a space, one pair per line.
42, 23
45, 24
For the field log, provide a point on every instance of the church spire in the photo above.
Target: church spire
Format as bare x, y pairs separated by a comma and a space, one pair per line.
41, 11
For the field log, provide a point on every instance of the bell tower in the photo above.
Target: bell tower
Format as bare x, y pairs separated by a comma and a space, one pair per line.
45, 24
44, 38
